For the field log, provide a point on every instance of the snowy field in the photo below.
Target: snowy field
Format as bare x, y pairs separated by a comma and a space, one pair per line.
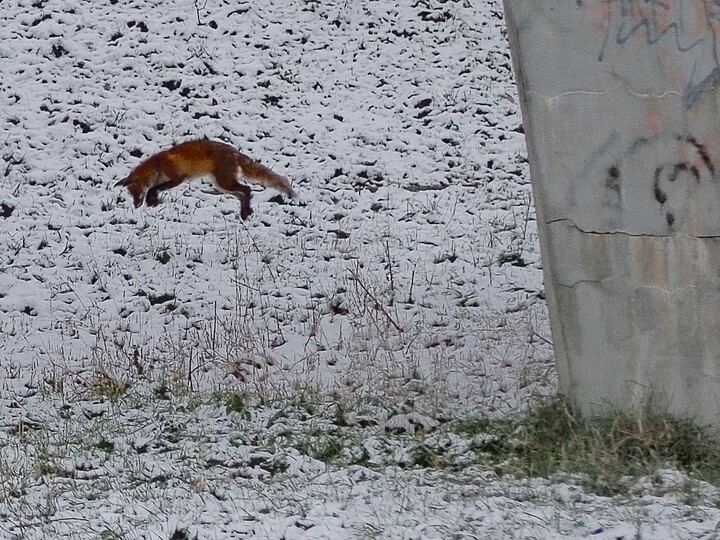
167, 373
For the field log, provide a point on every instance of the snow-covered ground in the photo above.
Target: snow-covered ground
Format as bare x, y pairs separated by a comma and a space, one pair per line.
405, 279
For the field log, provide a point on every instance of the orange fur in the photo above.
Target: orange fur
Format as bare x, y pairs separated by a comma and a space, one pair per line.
191, 159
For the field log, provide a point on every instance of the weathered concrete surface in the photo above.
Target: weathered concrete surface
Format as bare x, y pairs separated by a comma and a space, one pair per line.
622, 119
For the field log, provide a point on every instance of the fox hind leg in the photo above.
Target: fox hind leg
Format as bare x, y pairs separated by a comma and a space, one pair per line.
243, 193
226, 181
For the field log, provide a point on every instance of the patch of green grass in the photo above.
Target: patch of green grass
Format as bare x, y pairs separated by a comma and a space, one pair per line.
107, 534
612, 455
340, 419
276, 466
324, 447
426, 457
106, 446
328, 449
608, 452
234, 402
606, 455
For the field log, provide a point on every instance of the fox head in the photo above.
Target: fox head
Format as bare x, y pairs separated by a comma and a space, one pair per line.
136, 189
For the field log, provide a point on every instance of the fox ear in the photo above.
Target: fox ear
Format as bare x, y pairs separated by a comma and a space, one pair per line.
122, 182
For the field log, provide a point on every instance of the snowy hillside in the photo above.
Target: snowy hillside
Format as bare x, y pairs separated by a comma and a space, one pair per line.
405, 278
398, 128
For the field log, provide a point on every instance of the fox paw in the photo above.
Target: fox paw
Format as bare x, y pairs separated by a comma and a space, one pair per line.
245, 212
152, 201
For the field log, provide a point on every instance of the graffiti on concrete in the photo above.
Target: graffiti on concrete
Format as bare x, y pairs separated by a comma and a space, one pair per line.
672, 166
687, 26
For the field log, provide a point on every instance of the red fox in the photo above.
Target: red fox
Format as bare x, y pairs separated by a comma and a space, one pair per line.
191, 159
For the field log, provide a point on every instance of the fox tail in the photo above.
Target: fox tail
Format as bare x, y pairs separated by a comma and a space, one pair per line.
258, 173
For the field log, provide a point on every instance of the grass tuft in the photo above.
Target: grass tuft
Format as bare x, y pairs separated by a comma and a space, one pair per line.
609, 452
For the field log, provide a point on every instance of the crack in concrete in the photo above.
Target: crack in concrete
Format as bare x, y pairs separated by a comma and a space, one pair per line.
674, 291
553, 99
630, 234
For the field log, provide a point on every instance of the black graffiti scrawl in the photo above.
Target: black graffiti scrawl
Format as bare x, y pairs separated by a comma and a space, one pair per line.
673, 166
688, 27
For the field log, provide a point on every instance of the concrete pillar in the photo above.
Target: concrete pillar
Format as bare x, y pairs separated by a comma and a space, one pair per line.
620, 104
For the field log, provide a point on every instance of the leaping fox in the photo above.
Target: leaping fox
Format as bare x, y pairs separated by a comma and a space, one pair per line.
191, 159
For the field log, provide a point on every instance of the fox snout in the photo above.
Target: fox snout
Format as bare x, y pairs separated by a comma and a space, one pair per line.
138, 194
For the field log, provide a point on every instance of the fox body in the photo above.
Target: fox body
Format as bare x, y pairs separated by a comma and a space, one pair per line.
191, 159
